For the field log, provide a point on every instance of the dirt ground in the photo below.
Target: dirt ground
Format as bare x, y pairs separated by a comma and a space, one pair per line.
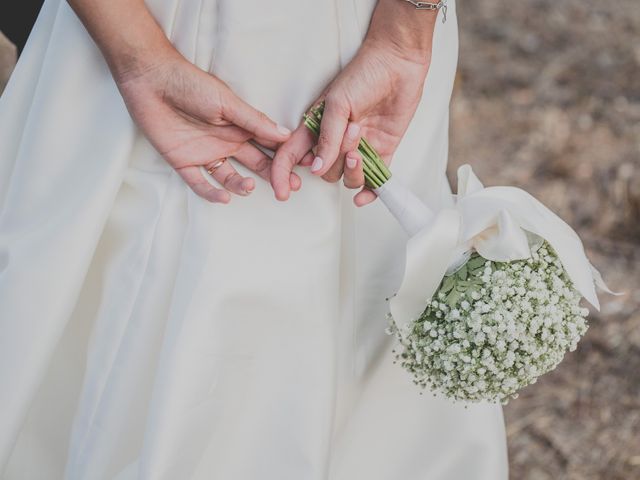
548, 99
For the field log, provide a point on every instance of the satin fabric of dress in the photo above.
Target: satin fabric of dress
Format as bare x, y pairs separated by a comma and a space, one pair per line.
148, 334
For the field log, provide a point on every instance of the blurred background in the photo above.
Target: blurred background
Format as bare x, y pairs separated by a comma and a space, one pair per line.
547, 98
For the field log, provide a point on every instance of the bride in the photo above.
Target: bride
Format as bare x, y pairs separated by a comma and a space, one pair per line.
187, 290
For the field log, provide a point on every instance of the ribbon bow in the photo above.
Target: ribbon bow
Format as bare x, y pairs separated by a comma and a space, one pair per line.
502, 224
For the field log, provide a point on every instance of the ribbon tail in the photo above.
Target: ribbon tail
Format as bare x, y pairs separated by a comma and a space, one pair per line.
599, 281
468, 183
428, 255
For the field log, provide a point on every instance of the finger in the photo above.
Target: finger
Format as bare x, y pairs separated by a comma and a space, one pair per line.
351, 138
286, 157
364, 197
295, 182
229, 133
269, 144
228, 177
307, 160
349, 143
353, 172
254, 159
332, 129
261, 163
254, 121
193, 177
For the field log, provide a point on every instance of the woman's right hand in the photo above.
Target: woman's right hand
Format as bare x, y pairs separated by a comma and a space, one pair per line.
194, 119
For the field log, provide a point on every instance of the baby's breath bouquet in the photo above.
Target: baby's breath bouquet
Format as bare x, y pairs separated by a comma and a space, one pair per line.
490, 298
494, 327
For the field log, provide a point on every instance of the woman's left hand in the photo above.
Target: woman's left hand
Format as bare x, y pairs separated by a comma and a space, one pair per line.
375, 96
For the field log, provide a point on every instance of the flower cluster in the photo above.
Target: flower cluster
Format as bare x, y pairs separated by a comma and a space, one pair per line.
493, 328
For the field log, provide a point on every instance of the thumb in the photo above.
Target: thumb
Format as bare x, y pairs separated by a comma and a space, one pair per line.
254, 121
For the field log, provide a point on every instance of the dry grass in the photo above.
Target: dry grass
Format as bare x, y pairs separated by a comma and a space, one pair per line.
548, 98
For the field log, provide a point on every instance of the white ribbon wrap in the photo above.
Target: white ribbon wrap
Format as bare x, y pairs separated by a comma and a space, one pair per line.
500, 223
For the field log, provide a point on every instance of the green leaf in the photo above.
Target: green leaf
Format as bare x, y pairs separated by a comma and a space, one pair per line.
448, 284
463, 272
452, 298
476, 262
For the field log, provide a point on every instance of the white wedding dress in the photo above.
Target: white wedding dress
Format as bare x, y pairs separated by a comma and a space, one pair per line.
148, 334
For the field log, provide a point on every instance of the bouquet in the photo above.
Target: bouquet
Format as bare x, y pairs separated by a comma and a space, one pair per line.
490, 298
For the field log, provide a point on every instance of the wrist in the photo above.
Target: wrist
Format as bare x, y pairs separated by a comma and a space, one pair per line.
399, 26
132, 61
136, 52
127, 34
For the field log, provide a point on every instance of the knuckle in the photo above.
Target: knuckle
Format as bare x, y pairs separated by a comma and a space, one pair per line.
352, 183
331, 99
331, 177
231, 180
246, 123
225, 102
262, 164
204, 191
324, 139
261, 117
251, 123
337, 103
228, 179
290, 157
346, 146
219, 100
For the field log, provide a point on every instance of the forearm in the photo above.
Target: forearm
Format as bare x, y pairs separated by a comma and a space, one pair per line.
399, 25
125, 31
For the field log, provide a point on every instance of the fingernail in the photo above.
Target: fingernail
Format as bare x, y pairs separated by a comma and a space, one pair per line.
353, 130
248, 186
316, 165
280, 196
351, 162
283, 130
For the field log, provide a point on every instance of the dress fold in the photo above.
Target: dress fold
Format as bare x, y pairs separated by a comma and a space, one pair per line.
146, 334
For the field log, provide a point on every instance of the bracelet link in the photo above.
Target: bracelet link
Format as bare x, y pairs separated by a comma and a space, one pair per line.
441, 4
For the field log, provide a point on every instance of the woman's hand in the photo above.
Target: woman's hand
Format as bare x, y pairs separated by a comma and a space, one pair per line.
191, 117
375, 96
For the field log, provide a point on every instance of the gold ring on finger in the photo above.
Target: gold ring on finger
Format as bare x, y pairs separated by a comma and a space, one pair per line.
216, 165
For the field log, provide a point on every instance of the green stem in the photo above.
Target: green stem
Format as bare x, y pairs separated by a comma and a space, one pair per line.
375, 170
